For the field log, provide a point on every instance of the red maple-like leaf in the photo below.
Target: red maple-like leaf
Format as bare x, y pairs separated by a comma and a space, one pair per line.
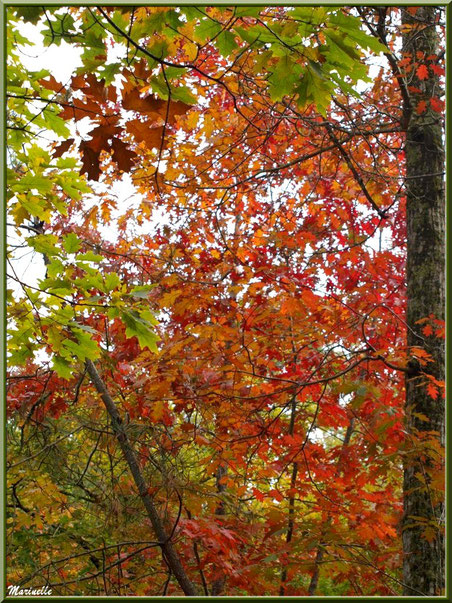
422, 72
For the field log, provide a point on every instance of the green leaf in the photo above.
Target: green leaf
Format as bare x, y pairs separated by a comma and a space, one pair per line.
86, 328
110, 71
159, 87
36, 206
87, 347
44, 244
182, 93
30, 14
32, 181
112, 281
92, 280
141, 291
90, 256
311, 15
62, 367
206, 30
285, 75
350, 26
66, 162
63, 286
137, 327
226, 43
340, 47
247, 11
250, 35
71, 243
57, 124
55, 267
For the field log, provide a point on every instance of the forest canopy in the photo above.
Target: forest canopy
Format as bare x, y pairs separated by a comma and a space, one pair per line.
226, 300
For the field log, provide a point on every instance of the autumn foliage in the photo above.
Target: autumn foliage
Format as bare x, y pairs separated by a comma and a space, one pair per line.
245, 307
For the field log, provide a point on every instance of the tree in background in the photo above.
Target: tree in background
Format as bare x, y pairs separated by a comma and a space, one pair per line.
243, 320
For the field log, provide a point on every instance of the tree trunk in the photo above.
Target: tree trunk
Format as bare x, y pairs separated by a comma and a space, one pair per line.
423, 564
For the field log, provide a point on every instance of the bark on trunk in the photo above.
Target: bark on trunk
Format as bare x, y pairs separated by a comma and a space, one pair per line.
168, 551
423, 565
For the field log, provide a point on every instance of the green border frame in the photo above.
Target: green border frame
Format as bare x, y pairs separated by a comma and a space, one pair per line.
4, 4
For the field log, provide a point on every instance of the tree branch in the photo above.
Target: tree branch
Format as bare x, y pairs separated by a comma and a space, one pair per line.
170, 555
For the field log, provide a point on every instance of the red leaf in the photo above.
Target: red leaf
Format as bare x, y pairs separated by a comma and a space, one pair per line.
421, 107
437, 69
432, 391
276, 495
259, 495
422, 72
437, 105
427, 330
404, 62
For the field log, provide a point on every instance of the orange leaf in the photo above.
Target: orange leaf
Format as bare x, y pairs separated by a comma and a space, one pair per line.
132, 101
427, 330
432, 391
156, 107
422, 72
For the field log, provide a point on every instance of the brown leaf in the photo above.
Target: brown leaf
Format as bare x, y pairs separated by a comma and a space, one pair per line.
124, 157
52, 84
155, 107
177, 108
142, 132
141, 70
100, 137
90, 162
132, 101
78, 110
62, 148
93, 87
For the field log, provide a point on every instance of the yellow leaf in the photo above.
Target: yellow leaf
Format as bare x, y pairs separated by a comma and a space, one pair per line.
191, 51
208, 125
192, 120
